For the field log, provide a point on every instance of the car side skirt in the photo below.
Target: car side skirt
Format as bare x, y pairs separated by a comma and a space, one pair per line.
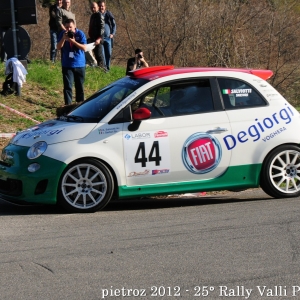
236, 177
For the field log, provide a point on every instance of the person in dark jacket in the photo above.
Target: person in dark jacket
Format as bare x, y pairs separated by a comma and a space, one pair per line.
63, 14
136, 62
53, 28
109, 33
96, 31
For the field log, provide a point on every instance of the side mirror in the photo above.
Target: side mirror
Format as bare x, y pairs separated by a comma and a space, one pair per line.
138, 115
141, 113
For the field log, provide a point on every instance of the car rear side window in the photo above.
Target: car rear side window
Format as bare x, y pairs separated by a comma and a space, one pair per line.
237, 94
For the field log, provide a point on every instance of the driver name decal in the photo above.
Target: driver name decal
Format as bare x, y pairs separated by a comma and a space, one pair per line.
201, 153
237, 92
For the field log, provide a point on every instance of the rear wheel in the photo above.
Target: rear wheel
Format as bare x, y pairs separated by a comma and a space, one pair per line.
85, 186
280, 172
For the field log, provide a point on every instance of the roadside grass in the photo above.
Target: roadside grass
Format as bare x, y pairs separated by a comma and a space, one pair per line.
49, 77
42, 94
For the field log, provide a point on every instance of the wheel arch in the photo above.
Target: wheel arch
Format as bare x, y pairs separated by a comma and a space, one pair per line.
113, 173
273, 188
273, 149
109, 167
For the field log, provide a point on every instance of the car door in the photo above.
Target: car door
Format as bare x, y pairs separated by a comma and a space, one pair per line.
181, 141
249, 115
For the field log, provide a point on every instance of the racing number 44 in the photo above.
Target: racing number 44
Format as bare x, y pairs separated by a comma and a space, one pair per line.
140, 156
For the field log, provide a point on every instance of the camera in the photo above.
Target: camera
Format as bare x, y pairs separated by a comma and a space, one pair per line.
70, 34
140, 56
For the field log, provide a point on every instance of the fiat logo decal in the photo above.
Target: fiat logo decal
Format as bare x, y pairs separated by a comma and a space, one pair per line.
201, 153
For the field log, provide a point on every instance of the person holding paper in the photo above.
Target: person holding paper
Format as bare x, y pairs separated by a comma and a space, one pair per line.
72, 44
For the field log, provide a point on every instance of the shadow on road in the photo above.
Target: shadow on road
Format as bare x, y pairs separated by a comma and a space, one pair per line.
144, 203
169, 202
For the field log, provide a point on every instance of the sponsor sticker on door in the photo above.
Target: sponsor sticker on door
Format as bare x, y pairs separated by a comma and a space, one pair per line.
147, 154
201, 153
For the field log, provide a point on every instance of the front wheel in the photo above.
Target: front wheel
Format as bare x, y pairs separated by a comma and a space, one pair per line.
85, 186
280, 172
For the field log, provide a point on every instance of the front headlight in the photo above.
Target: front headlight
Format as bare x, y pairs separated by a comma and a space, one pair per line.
37, 150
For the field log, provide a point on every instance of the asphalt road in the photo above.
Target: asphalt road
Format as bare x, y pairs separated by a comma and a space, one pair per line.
227, 246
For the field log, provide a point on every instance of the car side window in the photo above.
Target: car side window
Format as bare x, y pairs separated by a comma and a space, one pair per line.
237, 94
177, 99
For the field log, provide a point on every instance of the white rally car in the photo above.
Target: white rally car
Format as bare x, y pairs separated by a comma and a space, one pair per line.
161, 130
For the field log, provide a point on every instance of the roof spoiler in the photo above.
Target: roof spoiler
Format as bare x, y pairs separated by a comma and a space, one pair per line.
150, 70
264, 74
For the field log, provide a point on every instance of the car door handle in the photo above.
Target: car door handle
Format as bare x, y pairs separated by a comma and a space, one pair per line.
217, 130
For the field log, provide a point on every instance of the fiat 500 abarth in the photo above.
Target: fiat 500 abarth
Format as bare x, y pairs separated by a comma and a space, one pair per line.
160, 130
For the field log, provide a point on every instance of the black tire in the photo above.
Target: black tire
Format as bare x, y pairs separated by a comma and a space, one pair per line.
85, 186
280, 174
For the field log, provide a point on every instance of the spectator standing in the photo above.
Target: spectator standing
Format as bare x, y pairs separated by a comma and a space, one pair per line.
72, 44
109, 33
53, 28
96, 31
136, 62
2, 51
63, 14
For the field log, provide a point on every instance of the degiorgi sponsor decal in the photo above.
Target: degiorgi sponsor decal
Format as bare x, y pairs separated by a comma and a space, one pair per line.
47, 132
263, 127
43, 126
201, 153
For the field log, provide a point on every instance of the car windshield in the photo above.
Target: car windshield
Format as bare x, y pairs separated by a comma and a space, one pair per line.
96, 107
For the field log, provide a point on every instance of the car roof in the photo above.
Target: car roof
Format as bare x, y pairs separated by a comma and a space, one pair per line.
155, 72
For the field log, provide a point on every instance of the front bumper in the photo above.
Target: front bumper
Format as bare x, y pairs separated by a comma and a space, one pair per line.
18, 185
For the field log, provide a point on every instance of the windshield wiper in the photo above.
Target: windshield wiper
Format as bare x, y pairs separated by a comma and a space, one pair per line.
74, 118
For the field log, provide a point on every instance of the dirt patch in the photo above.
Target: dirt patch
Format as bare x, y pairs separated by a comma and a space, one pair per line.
34, 102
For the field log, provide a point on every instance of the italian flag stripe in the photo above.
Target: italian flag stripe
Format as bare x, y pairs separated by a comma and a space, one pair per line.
226, 91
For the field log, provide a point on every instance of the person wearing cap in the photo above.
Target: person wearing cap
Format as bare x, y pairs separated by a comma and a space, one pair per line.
136, 62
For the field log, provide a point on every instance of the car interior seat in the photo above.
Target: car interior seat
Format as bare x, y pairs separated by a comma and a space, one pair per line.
176, 101
227, 102
187, 101
206, 101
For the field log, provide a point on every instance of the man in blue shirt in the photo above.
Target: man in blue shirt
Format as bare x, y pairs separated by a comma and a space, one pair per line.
72, 44
109, 33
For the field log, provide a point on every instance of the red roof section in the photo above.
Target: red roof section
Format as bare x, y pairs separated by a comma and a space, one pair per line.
162, 71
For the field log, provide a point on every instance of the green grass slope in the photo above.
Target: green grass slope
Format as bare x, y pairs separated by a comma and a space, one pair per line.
42, 94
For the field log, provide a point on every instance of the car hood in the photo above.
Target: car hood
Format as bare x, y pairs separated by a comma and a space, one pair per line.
53, 131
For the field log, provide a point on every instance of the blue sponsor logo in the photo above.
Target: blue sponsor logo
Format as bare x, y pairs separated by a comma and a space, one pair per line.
41, 132
127, 136
162, 171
